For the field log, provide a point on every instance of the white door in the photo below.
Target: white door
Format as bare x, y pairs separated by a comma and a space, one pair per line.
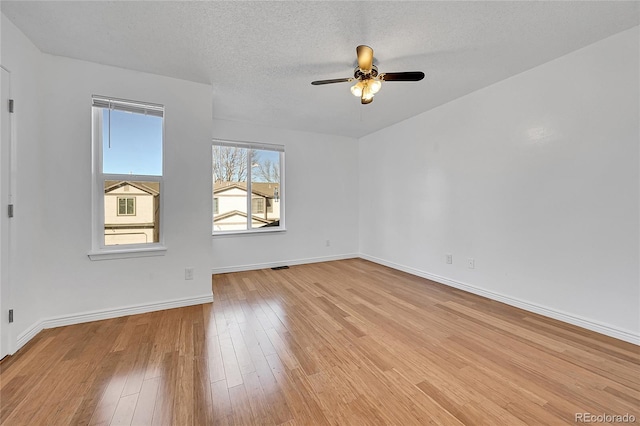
5, 194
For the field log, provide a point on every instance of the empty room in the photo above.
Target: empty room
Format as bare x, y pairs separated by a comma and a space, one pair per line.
319, 213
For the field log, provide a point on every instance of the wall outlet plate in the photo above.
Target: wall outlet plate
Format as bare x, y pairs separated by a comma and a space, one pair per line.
188, 273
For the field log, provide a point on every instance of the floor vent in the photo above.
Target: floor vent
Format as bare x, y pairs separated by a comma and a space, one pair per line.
277, 268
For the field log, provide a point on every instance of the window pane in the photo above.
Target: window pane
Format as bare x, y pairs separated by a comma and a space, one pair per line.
131, 143
257, 204
265, 188
234, 206
131, 212
230, 188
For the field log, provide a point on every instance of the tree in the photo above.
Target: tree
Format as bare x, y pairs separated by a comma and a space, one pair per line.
229, 164
266, 171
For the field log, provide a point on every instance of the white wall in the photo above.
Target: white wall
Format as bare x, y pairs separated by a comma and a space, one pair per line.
536, 177
320, 170
54, 276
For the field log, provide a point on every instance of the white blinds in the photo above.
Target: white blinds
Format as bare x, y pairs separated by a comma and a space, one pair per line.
129, 106
249, 145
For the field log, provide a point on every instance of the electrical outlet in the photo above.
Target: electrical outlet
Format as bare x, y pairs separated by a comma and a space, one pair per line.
471, 263
328, 243
188, 273
449, 258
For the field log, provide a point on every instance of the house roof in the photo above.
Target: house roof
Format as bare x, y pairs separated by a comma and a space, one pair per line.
264, 189
152, 188
238, 213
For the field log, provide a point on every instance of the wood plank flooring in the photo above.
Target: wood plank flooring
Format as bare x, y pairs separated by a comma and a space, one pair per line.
342, 343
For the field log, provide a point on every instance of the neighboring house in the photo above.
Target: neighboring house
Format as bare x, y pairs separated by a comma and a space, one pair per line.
230, 205
131, 212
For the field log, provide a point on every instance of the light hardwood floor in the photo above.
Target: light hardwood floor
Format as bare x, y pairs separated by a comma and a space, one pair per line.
346, 342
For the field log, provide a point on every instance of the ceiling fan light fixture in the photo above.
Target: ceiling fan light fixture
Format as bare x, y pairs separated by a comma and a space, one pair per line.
357, 89
365, 89
374, 86
367, 93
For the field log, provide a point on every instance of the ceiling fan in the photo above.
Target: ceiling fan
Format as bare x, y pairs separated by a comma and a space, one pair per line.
369, 81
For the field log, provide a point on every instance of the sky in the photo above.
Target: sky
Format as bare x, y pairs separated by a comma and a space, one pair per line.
135, 145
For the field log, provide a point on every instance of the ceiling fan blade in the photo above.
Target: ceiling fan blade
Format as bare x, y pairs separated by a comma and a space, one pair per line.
335, 80
365, 57
402, 76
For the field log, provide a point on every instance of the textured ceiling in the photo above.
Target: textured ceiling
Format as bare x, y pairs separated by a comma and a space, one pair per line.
260, 57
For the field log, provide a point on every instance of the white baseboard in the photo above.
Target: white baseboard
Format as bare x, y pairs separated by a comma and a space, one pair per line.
605, 329
102, 314
27, 335
253, 266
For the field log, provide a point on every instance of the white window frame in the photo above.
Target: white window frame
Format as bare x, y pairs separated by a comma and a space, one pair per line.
281, 192
100, 251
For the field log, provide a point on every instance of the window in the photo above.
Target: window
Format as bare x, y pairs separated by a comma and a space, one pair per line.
127, 168
257, 205
126, 206
248, 187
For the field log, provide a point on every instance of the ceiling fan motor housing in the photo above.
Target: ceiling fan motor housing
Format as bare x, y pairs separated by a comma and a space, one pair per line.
359, 74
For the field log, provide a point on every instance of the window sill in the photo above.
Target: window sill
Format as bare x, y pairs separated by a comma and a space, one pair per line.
247, 233
127, 253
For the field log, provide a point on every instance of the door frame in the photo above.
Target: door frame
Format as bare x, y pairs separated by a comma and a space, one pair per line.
7, 191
